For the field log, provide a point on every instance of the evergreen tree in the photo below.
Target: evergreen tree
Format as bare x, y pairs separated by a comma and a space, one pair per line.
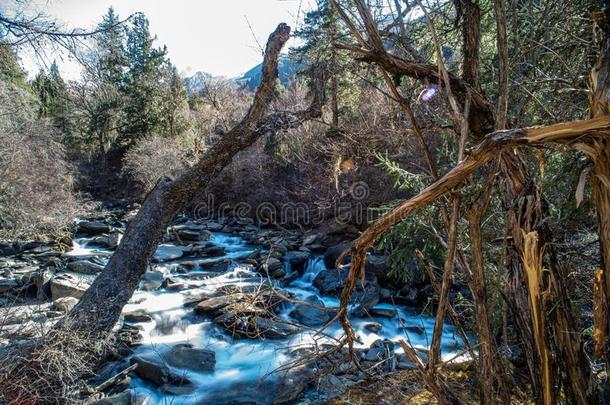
111, 58
175, 106
54, 100
320, 31
143, 82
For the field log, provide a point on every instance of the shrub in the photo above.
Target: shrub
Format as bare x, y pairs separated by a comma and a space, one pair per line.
153, 158
36, 198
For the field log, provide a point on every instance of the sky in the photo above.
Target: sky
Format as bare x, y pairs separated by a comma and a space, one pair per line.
212, 36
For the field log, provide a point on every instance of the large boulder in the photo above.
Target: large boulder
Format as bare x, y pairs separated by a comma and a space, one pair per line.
311, 316
332, 254
166, 253
273, 267
297, 259
185, 356
153, 369
331, 282
68, 285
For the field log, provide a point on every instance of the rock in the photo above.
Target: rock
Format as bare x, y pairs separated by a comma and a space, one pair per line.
64, 304
192, 297
379, 350
166, 252
373, 327
41, 279
292, 384
212, 306
108, 241
385, 294
420, 330
139, 315
333, 386
272, 329
8, 286
152, 369
124, 398
383, 312
332, 254
7, 249
311, 316
297, 259
273, 267
152, 280
213, 251
93, 227
85, 267
408, 296
331, 282
214, 226
220, 266
378, 265
185, 356
67, 285
193, 235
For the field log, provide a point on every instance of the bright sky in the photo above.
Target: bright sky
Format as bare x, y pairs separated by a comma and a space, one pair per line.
201, 35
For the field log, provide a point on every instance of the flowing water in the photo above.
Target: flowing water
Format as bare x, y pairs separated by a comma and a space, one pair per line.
242, 364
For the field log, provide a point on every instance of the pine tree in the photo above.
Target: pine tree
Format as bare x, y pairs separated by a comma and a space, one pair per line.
111, 58
142, 88
320, 31
54, 100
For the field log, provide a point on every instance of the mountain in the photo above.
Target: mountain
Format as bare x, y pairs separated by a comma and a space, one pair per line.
195, 84
287, 70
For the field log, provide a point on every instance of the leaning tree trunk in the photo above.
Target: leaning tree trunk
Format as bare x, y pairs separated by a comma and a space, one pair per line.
101, 305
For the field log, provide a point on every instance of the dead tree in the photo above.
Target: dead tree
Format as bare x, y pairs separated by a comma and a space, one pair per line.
519, 192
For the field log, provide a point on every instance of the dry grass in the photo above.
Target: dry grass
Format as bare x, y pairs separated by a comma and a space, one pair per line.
407, 388
50, 369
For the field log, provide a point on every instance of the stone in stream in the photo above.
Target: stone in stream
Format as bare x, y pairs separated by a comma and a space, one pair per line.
373, 327
152, 368
93, 227
310, 316
273, 267
166, 253
64, 304
213, 251
331, 282
152, 280
85, 267
220, 266
332, 254
69, 285
297, 259
7, 249
108, 241
139, 315
193, 234
214, 226
185, 356
8, 286
213, 306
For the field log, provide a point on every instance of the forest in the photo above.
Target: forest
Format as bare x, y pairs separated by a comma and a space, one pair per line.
404, 202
